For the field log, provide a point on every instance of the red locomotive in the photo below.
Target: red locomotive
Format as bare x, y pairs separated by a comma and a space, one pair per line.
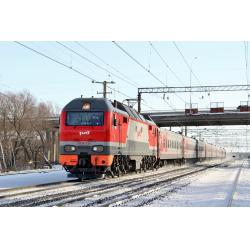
99, 138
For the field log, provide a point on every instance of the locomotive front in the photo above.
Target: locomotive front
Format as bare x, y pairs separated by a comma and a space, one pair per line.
85, 136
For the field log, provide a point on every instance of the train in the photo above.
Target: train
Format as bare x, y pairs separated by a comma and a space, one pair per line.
100, 138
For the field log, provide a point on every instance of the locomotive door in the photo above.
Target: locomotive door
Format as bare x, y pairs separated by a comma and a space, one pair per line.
120, 137
157, 142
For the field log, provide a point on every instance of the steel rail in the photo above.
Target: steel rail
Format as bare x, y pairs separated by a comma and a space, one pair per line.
235, 185
34, 186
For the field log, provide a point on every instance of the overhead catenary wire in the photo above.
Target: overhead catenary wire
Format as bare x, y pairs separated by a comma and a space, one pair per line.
75, 71
137, 62
54, 60
156, 78
74, 58
117, 71
109, 65
120, 72
146, 70
70, 68
78, 72
94, 63
168, 66
186, 62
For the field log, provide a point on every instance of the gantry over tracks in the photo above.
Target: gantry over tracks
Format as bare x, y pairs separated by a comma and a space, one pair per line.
213, 117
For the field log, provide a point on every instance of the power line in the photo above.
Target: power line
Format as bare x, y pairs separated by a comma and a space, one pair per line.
70, 68
118, 71
186, 63
138, 62
95, 63
108, 64
74, 70
155, 77
166, 64
145, 69
54, 60
113, 68
74, 59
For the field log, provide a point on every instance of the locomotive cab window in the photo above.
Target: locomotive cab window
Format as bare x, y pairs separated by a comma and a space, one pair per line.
84, 118
114, 121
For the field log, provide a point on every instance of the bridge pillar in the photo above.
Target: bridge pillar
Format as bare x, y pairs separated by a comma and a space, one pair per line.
53, 146
48, 145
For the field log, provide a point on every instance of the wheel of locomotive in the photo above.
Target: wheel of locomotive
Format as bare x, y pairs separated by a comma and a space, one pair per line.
112, 175
152, 167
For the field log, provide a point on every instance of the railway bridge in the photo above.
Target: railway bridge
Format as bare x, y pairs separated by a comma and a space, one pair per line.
204, 117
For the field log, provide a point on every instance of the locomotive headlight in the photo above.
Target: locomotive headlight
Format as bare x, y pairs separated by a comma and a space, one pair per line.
69, 148
98, 148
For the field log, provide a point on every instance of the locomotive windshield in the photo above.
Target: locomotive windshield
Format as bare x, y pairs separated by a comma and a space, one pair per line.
84, 118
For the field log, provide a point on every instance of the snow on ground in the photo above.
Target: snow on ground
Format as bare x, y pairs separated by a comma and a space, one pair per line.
210, 189
32, 178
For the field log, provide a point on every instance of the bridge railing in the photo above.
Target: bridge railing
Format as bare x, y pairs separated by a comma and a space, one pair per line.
182, 111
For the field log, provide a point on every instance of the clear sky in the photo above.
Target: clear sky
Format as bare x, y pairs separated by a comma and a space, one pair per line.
217, 63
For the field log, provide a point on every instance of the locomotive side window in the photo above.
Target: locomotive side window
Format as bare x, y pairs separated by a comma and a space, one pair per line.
84, 118
150, 127
125, 120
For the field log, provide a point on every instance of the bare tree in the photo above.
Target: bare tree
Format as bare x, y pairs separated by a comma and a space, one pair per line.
22, 128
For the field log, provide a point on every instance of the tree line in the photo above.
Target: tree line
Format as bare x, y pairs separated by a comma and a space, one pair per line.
23, 129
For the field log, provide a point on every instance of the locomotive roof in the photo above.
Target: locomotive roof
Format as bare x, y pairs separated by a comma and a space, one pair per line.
96, 103
105, 105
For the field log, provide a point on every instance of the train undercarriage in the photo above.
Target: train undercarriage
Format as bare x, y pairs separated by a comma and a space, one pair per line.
121, 165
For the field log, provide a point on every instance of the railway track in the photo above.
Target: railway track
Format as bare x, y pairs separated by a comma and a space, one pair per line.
107, 192
42, 195
128, 200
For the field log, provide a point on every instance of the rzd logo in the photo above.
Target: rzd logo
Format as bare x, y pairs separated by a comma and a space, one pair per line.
84, 133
